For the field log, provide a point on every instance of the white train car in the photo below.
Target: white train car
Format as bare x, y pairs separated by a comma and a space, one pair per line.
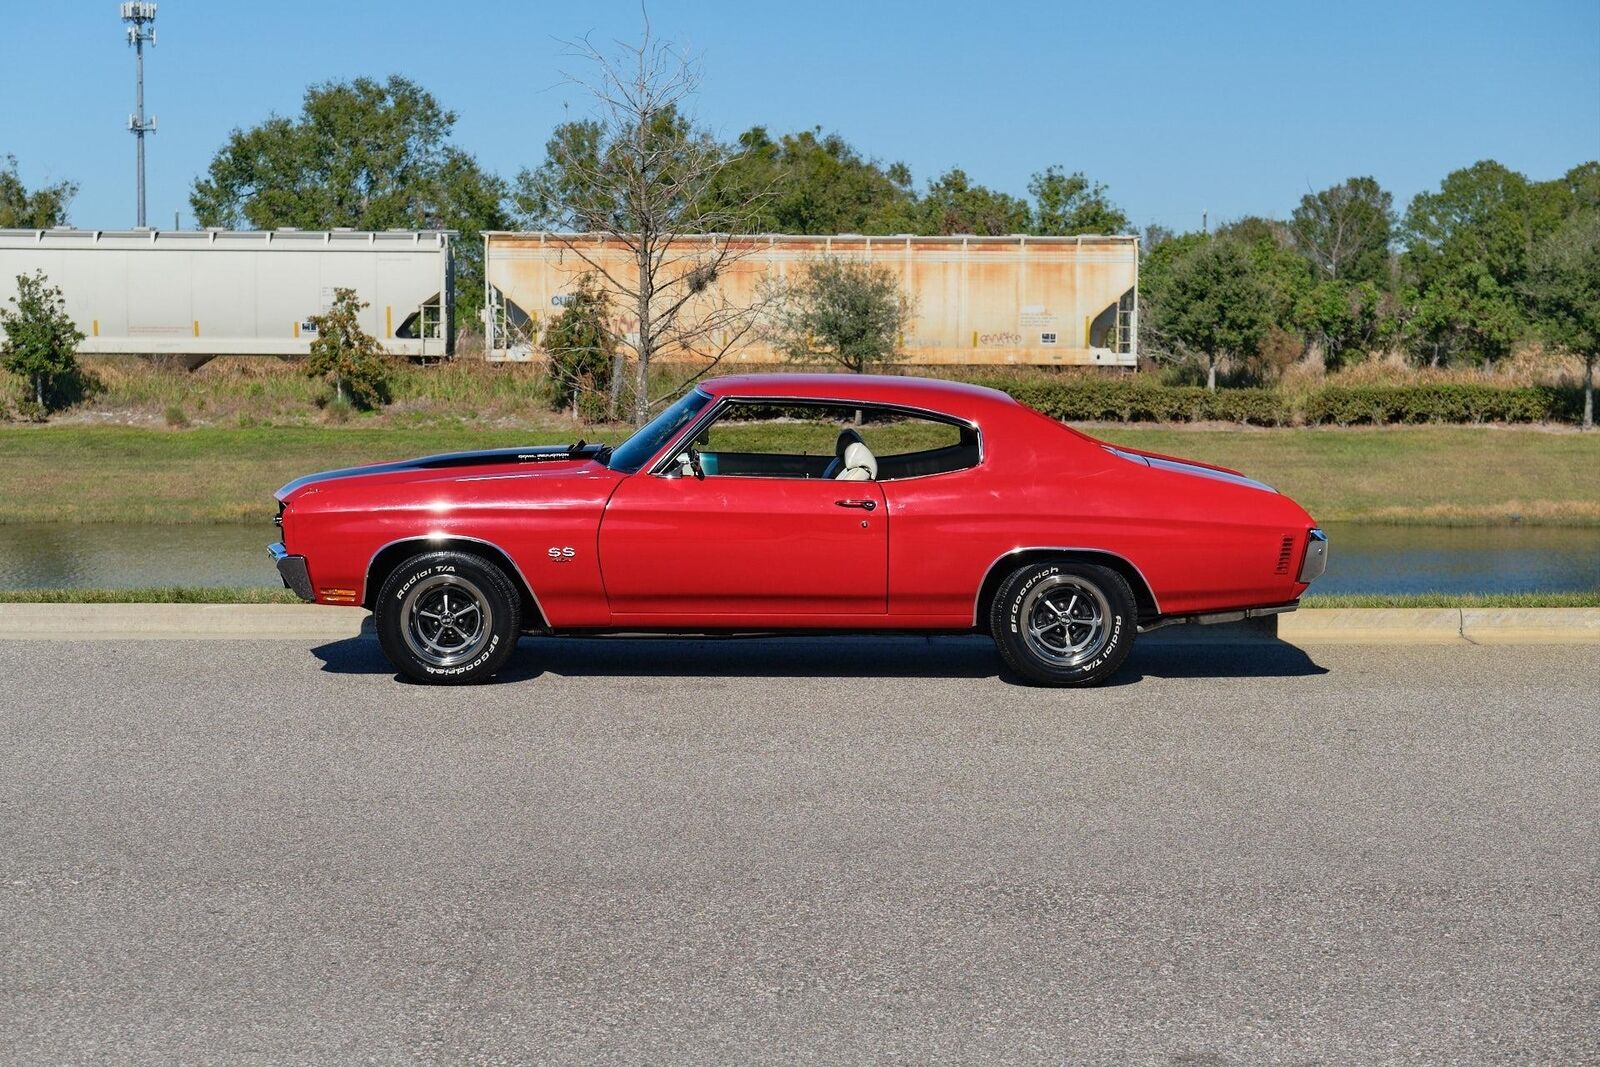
203, 293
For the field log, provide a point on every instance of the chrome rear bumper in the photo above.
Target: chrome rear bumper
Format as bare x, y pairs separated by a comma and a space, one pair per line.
292, 569
1316, 561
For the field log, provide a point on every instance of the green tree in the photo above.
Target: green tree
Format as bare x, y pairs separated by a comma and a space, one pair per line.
1345, 319
1345, 231
581, 348
365, 154
1564, 287
348, 356
40, 209
843, 311
813, 183
1069, 204
1159, 258
1466, 315
577, 185
41, 345
1286, 276
1579, 188
1466, 260
1211, 302
954, 205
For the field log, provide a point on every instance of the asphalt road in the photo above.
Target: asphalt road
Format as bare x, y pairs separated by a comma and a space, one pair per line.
770, 851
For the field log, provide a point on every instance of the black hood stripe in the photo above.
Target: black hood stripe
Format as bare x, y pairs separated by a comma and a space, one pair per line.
448, 460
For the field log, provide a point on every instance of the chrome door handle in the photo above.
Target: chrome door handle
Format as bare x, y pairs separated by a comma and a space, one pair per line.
864, 505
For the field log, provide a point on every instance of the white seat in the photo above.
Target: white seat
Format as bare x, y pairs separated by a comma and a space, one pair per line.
860, 465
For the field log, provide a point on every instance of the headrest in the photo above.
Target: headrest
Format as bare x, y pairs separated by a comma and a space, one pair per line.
846, 438
859, 455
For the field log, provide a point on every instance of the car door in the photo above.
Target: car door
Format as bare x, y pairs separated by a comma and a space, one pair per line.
770, 548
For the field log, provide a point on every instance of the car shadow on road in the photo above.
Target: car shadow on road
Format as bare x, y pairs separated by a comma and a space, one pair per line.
1242, 658
834, 657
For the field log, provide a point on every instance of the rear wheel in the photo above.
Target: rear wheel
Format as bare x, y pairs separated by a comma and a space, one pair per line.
447, 618
1062, 623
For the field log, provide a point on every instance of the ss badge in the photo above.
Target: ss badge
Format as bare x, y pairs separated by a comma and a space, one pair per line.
562, 554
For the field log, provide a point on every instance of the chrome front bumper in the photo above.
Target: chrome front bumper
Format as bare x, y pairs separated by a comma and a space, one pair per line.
292, 569
1316, 561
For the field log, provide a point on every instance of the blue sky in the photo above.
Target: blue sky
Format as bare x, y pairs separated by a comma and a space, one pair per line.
1229, 108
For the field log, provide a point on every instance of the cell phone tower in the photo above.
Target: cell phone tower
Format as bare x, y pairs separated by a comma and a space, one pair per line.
141, 19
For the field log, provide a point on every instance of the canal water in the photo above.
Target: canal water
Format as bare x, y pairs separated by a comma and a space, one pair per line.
1364, 559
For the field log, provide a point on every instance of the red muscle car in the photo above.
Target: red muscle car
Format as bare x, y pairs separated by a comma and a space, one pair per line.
795, 502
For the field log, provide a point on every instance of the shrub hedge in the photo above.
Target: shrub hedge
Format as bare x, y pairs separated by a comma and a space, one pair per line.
1346, 405
1085, 399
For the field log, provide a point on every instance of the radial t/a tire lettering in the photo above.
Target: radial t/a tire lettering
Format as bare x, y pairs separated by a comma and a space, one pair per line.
448, 618
1062, 623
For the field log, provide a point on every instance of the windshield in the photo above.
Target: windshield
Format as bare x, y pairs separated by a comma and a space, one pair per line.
636, 451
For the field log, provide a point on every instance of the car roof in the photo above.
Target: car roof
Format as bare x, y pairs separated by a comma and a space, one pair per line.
931, 394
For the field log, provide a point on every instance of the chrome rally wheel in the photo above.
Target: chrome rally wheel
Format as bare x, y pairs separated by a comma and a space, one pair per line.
448, 620
1065, 620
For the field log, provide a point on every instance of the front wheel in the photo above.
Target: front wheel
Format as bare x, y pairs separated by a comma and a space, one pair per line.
1062, 623
447, 618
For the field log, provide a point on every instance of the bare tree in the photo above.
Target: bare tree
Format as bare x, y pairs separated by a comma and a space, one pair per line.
637, 174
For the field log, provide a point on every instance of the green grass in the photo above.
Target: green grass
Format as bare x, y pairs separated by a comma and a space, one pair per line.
121, 474
1422, 475
1590, 599
254, 595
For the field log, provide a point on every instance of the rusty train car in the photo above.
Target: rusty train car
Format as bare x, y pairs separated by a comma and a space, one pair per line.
1039, 301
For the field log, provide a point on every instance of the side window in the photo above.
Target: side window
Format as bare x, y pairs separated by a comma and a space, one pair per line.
908, 445
791, 439
754, 429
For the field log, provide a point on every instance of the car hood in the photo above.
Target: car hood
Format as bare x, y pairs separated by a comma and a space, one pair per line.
552, 457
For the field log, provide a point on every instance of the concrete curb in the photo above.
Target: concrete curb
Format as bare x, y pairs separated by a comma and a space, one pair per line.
1371, 626
1406, 626
178, 622
307, 622
1529, 626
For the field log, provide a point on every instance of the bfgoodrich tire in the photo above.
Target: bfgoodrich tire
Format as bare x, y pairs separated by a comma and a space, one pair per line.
1064, 624
448, 618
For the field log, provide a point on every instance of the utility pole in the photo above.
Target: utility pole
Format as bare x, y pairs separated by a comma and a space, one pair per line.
140, 17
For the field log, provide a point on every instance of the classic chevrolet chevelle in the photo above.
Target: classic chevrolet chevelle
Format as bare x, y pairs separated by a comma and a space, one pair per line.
791, 502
